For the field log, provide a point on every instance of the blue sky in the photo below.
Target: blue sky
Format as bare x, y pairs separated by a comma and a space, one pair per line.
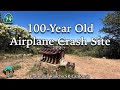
61, 18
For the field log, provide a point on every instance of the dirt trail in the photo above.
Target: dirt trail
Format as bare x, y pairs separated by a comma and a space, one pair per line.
96, 67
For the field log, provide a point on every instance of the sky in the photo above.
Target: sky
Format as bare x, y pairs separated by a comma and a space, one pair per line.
60, 18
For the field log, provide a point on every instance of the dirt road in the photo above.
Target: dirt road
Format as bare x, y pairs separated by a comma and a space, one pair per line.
97, 68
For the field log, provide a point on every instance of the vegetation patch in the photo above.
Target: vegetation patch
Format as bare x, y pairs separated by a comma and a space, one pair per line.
64, 71
16, 67
34, 69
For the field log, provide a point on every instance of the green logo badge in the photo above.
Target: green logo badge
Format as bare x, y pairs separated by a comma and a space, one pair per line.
8, 19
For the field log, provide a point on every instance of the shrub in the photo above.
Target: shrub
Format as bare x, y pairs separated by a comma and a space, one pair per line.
16, 67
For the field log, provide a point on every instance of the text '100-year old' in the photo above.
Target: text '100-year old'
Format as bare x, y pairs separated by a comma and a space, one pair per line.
79, 28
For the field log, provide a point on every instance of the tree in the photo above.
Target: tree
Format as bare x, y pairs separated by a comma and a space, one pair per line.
112, 29
7, 32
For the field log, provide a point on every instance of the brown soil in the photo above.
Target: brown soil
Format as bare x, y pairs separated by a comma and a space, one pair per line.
97, 68
26, 64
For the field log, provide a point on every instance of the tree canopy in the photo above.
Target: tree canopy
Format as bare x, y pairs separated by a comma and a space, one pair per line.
112, 25
7, 32
112, 29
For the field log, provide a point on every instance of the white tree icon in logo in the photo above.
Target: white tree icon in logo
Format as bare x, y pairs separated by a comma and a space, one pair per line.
8, 18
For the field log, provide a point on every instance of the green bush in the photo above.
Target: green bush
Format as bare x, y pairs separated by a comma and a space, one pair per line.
94, 51
16, 67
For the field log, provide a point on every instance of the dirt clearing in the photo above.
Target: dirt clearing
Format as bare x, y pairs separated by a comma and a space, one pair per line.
97, 68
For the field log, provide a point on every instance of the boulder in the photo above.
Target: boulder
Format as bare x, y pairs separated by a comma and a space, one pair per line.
70, 65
